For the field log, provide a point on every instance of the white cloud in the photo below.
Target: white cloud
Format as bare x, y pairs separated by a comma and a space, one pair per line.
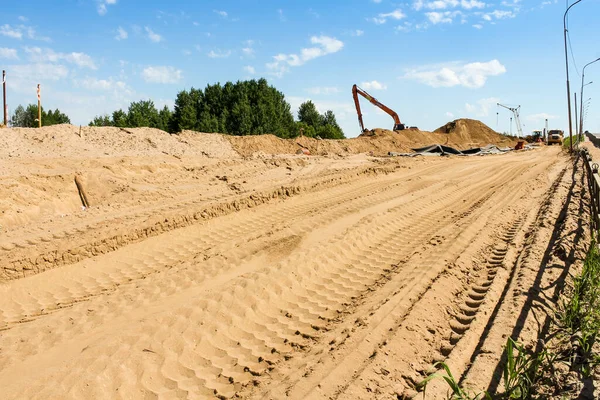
282, 17
482, 107
23, 19
221, 13
446, 4
155, 37
540, 117
121, 34
8, 53
186, 52
24, 78
248, 51
101, 84
17, 32
358, 32
326, 90
445, 17
472, 75
373, 85
219, 54
162, 74
249, 69
502, 14
470, 4
383, 17
477, 26
327, 45
39, 55
7, 30
102, 9
449, 114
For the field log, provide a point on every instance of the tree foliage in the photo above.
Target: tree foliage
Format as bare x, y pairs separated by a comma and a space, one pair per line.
243, 108
139, 114
314, 124
27, 117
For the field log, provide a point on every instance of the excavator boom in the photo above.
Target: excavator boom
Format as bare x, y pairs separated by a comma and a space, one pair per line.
398, 126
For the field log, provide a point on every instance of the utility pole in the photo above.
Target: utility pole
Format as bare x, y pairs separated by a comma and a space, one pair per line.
576, 126
581, 97
5, 107
39, 95
510, 126
567, 67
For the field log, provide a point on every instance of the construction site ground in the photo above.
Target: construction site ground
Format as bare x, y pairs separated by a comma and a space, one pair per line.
214, 273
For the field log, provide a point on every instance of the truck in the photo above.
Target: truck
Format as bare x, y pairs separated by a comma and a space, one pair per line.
555, 136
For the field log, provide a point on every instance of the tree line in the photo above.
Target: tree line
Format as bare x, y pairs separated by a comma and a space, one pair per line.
27, 117
250, 107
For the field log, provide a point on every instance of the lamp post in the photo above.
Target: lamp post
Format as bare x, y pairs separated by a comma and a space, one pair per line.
581, 97
567, 67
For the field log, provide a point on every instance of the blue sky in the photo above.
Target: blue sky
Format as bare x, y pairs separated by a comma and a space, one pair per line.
430, 61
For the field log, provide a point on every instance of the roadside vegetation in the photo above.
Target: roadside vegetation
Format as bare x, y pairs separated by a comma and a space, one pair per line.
576, 140
552, 372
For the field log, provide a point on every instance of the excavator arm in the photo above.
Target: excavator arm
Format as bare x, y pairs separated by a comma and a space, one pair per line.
398, 126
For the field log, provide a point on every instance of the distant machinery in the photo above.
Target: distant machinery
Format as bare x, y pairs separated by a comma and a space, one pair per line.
516, 112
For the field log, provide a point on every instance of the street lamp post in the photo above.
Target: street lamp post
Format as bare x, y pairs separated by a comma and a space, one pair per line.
567, 65
581, 97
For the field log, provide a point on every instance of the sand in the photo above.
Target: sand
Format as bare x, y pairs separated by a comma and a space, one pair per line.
467, 134
206, 267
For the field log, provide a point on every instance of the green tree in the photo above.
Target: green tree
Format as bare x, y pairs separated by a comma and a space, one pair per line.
185, 112
19, 117
164, 119
119, 119
308, 114
102, 120
54, 118
28, 117
142, 114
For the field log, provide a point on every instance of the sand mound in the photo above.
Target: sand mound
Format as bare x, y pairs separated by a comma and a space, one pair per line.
73, 141
461, 133
471, 131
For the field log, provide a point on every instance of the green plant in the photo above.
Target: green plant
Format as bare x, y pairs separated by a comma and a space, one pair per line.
521, 370
580, 315
458, 393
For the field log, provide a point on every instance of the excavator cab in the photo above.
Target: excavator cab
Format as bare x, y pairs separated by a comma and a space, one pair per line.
399, 127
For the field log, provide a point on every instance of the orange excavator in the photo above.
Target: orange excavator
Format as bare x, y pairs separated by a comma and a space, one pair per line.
398, 126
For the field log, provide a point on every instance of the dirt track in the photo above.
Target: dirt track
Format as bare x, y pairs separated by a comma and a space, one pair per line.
329, 279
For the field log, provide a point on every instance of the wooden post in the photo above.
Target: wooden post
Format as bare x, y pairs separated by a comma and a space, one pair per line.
39, 94
5, 107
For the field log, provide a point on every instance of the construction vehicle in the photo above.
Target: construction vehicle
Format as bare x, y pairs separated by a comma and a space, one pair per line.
398, 126
555, 136
516, 113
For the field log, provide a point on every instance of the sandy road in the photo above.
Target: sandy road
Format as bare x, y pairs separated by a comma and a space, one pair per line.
344, 290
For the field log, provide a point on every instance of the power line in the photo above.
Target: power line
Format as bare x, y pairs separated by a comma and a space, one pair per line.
571, 48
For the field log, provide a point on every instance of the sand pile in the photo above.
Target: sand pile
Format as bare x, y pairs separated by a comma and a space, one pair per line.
470, 131
73, 141
461, 133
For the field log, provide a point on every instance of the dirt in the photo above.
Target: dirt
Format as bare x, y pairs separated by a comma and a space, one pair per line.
466, 133
206, 267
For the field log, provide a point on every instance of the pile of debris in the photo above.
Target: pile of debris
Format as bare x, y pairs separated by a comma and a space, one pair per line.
442, 150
